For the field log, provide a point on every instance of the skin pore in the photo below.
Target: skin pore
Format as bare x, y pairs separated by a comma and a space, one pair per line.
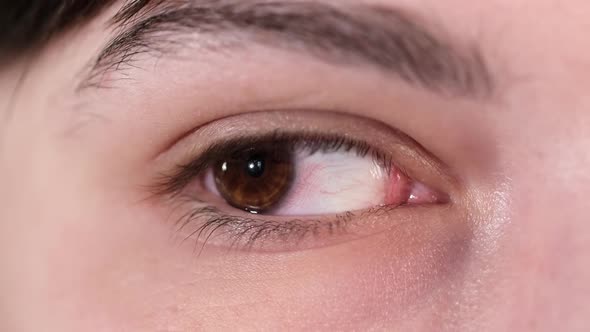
482, 102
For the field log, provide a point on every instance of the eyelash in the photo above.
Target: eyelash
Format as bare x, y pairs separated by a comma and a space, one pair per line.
174, 183
246, 230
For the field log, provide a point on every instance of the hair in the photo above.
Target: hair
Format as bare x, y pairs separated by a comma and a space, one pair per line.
27, 24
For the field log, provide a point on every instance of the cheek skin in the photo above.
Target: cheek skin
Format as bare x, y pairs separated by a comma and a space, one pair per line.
134, 277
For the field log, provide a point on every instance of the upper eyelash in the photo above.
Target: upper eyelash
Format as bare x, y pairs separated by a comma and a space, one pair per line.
174, 183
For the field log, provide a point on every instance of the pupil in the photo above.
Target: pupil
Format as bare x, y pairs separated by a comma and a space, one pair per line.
255, 167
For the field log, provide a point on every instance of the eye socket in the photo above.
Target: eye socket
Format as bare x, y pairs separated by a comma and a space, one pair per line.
309, 184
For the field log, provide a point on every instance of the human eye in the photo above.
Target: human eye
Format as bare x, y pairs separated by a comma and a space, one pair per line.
294, 186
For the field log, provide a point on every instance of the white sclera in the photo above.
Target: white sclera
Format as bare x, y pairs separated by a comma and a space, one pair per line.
333, 182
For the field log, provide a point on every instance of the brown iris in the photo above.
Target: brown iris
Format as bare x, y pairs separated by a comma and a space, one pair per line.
255, 179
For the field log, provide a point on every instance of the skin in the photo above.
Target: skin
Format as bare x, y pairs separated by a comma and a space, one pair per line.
81, 250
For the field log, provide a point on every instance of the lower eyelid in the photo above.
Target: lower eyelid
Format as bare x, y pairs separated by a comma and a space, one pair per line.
212, 227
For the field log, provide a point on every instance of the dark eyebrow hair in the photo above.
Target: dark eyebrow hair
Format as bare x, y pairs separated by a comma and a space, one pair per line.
387, 38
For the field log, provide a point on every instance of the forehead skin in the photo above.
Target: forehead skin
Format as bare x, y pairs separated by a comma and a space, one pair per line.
76, 255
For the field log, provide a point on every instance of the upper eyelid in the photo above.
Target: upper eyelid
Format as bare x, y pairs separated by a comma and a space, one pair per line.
173, 183
388, 38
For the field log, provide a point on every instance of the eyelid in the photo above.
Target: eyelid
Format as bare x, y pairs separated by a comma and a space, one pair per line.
214, 227
200, 217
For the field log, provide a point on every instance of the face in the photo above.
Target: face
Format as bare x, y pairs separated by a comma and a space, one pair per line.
353, 165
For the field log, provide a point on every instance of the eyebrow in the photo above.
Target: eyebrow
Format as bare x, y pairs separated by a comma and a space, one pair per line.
386, 38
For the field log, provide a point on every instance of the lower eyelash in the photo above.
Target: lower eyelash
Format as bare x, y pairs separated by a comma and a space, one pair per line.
209, 222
